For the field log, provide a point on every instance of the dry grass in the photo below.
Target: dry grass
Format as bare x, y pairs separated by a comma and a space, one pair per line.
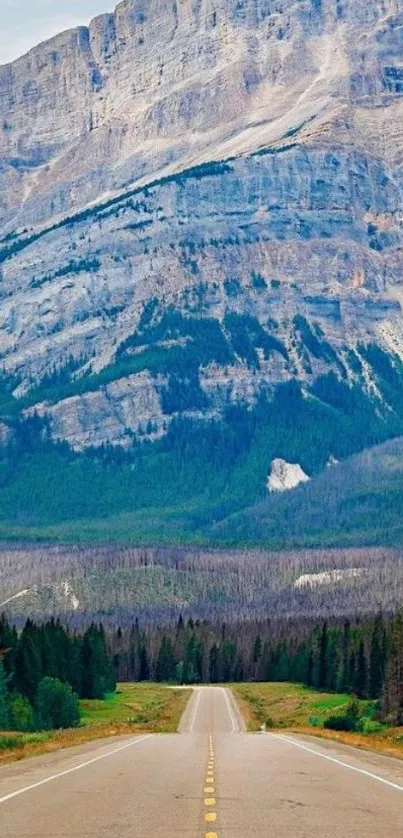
135, 708
298, 709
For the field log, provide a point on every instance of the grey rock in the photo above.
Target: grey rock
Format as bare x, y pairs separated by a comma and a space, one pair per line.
178, 152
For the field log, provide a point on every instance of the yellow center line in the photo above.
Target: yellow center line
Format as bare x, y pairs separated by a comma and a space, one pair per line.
209, 789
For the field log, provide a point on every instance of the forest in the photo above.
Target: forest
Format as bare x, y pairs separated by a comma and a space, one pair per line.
363, 657
115, 585
44, 668
206, 481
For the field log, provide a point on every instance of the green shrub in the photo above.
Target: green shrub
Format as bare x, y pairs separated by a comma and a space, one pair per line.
8, 742
369, 726
350, 720
340, 723
57, 705
21, 713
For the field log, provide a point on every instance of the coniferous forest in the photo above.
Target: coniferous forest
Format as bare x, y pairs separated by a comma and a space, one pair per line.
45, 668
44, 671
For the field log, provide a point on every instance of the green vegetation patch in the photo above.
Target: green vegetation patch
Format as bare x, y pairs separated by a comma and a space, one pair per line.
146, 706
284, 705
247, 335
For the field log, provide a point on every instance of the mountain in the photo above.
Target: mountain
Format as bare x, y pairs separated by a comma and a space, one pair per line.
200, 259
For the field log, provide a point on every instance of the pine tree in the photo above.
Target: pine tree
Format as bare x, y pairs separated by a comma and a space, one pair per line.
310, 668
98, 677
144, 666
361, 678
27, 664
165, 668
377, 659
323, 657
393, 692
344, 674
213, 664
257, 649
4, 700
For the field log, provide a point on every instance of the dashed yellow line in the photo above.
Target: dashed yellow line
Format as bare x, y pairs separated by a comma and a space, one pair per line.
209, 789
210, 817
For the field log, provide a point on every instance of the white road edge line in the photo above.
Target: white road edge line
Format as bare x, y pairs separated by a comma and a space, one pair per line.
72, 770
230, 710
194, 714
339, 762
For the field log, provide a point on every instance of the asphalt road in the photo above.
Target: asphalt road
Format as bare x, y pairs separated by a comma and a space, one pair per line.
212, 779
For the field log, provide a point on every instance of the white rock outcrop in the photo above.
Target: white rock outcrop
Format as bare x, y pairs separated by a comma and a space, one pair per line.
328, 577
285, 476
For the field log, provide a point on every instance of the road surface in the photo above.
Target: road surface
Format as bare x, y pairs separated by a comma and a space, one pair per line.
212, 779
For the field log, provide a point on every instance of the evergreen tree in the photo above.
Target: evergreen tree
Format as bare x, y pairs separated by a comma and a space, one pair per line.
310, 668
227, 654
144, 667
27, 664
344, 674
377, 658
361, 678
165, 669
98, 677
213, 664
323, 657
4, 700
257, 650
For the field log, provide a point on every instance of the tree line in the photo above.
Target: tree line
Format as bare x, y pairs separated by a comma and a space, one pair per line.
45, 669
363, 657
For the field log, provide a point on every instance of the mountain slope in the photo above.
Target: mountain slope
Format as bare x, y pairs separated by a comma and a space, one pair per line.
356, 502
200, 255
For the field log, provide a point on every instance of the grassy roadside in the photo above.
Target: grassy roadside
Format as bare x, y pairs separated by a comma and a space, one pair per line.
294, 707
134, 708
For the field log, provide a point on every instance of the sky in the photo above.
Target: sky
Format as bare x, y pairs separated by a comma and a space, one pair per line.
25, 23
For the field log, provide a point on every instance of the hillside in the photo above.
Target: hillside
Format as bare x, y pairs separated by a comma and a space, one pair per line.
200, 266
156, 586
359, 501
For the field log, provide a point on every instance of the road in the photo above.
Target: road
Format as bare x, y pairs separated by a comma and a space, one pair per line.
212, 779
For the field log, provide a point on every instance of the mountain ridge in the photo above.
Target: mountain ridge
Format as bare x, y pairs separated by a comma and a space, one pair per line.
201, 239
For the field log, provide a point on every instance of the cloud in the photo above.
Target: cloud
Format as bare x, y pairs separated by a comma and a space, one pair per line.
25, 23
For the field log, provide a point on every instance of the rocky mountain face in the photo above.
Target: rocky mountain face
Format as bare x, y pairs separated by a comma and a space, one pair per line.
199, 201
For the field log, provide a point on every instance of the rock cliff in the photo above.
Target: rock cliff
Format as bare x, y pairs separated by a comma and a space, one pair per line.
237, 164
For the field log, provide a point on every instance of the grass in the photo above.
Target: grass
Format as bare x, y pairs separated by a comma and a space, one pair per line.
134, 708
141, 707
284, 705
297, 708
